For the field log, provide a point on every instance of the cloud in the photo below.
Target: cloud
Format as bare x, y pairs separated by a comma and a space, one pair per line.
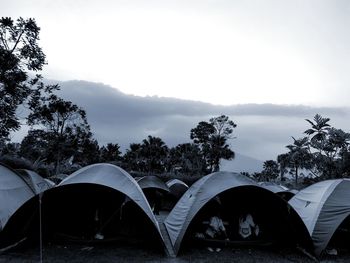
263, 130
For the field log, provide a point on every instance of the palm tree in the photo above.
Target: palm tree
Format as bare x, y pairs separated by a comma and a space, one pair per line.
299, 156
271, 170
319, 129
154, 152
283, 161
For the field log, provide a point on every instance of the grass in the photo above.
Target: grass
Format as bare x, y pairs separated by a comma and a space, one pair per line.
111, 253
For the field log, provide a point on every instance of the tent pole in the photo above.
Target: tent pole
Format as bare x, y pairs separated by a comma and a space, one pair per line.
40, 230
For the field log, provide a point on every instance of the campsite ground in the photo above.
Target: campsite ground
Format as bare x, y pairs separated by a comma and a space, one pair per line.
87, 254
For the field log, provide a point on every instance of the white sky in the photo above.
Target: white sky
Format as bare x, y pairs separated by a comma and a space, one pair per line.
223, 52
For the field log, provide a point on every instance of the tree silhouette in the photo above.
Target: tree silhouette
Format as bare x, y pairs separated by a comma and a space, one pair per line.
154, 153
187, 159
65, 124
298, 156
19, 53
212, 138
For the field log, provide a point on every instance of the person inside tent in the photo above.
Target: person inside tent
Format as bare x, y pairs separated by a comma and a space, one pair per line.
216, 230
247, 226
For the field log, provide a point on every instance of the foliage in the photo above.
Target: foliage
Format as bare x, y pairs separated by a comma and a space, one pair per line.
298, 156
186, 158
148, 157
132, 158
65, 130
34, 146
270, 171
324, 152
16, 162
109, 153
211, 137
19, 53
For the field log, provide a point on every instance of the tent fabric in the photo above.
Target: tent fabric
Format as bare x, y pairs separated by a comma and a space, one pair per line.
177, 187
323, 207
172, 182
273, 187
278, 189
36, 182
151, 181
51, 183
14, 192
114, 177
199, 194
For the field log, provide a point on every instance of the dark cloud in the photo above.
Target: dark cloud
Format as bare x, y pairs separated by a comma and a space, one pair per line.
263, 129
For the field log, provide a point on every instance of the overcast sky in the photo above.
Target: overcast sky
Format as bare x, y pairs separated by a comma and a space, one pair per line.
277, 62
222, 52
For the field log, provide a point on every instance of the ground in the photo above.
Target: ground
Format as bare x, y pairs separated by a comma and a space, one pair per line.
110, 253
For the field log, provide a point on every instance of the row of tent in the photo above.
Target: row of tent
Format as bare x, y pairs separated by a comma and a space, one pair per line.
105, 199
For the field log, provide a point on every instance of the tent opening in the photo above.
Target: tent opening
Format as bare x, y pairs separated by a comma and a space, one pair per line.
85, 213
341, 237
279, 225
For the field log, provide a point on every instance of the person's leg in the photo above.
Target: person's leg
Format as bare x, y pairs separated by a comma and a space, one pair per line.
209, 248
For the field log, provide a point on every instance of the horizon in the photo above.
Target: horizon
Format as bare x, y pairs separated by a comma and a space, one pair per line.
121, 118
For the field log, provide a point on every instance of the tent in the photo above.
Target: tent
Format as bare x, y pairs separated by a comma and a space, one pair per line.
278, 189
98, 203
14, 192
176, 190
237, 194
50, 182
57, 178
152, 182
323, 207
35, 181
177, 187
155, 190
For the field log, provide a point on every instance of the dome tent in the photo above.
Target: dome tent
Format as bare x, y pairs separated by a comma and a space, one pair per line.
176, 190
323, 207
278, 189
14, 192
238, 194
152, 182
154, 189
177, 187
92, 200
36, 182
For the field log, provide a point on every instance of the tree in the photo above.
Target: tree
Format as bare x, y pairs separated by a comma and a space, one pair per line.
298, 156
110, 152
283, 161
19, 53
34, 146
65, 124
318, 130
132, 158
212, 138
270, 170
187, 159
328, 146
154, 153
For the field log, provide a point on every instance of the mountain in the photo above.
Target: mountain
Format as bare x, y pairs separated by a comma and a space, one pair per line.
263, 130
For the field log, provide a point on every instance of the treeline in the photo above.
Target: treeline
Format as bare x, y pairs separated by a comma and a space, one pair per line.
323, 152
66, 147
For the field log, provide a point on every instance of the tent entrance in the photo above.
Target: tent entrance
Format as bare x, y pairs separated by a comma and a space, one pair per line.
276, 221
341, 237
